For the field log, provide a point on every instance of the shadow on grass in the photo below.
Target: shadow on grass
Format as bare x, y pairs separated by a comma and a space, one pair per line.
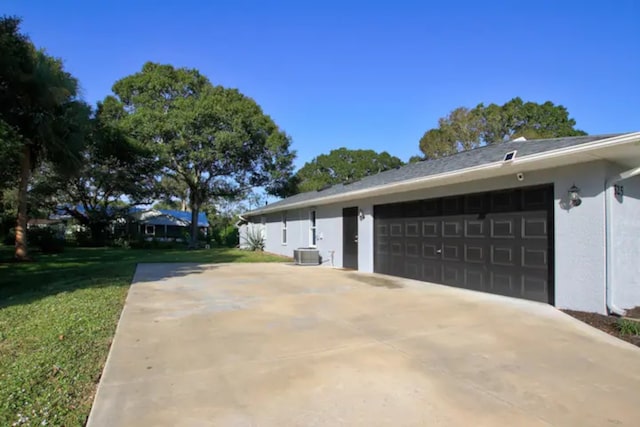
78, 268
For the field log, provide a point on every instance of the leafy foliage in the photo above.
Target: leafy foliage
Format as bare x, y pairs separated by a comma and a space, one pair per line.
254, 239
214, 140
113, 167
41, 116
343, 166
465, 129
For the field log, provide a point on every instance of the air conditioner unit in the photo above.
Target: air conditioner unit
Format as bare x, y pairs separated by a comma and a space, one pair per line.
306, 256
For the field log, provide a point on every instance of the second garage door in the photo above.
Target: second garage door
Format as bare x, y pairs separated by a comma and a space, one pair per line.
499, 242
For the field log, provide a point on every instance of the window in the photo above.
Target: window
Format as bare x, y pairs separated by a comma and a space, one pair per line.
150, 229
312, 228
284, 228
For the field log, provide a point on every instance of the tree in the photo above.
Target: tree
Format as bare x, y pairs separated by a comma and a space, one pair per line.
115, 168
464, 129
343, 166
40, 112
214, 140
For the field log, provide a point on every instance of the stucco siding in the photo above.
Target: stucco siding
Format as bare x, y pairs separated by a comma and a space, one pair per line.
625, 244
579, 232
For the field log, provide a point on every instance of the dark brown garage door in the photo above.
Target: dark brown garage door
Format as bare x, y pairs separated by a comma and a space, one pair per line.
499, 242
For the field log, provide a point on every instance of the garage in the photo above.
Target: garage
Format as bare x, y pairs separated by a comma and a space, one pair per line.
499, 242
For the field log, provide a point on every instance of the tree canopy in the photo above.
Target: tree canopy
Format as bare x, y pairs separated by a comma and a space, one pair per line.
214, 140
342, 166
464, 129
41, 116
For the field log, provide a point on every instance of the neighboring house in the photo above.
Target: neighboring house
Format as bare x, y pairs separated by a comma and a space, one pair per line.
556, 221
166, 224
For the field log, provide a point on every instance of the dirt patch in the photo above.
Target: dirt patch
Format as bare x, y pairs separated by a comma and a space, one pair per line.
381, 282
607, 324
634, 313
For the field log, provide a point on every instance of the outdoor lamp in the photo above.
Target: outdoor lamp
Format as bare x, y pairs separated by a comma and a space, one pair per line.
574, 196
360, 214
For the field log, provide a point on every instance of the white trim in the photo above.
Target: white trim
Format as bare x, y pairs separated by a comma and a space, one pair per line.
487, 170
146, 230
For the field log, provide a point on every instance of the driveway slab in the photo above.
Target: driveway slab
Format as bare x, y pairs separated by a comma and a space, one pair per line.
282, 345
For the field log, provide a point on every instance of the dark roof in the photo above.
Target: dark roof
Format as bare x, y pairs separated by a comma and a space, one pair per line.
466, 159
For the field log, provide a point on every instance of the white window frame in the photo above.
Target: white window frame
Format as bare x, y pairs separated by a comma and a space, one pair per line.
146, 230
313, 228
283, 228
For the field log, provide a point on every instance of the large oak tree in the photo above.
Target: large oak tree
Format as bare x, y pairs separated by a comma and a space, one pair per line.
465, 129
342, 166
215, 140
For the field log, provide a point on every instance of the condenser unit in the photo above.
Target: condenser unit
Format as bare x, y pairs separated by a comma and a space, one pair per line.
306, 256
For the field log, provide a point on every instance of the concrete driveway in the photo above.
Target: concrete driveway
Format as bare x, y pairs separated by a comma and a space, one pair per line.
280, 345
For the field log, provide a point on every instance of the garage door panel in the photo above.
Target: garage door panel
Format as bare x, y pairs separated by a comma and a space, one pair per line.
451, 252
411, 249
534, 228
430, 228
452, 228
395, 230
494, 242
502, 228
475, 253
503, 255
535, 258
475, 228
411, 229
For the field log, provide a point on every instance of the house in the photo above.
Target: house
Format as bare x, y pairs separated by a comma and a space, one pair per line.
165, 224
553, 220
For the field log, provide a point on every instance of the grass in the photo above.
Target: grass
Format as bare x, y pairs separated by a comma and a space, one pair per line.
628, 327
57, 318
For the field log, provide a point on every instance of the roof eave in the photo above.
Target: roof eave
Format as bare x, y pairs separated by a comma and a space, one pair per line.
488, 170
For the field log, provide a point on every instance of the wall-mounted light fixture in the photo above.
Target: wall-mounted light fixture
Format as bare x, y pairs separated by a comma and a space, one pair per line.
574, 196
360, 214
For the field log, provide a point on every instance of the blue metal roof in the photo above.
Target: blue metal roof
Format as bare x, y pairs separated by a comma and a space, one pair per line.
186, 216
181, 215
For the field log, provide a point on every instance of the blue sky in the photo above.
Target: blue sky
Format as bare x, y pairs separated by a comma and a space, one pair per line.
362, 74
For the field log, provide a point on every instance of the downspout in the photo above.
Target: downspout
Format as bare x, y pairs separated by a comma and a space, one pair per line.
611, 306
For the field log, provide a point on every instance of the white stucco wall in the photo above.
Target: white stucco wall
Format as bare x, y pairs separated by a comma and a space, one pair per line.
625, 245
579, 232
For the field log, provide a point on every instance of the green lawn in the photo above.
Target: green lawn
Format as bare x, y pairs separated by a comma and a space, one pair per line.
57, 318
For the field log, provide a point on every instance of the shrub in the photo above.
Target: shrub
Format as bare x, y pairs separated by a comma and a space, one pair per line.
46, 238
628, 327
254, 239
82, 237
10, 238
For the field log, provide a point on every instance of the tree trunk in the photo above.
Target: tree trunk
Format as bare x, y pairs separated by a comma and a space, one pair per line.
193, 244
21, 226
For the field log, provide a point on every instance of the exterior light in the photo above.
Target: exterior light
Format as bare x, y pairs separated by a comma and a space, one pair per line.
574, 196
360, 214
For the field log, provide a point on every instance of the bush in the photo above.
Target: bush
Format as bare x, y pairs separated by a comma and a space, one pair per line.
10, 238
225, 236
82, 237
154, 243
47, 239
